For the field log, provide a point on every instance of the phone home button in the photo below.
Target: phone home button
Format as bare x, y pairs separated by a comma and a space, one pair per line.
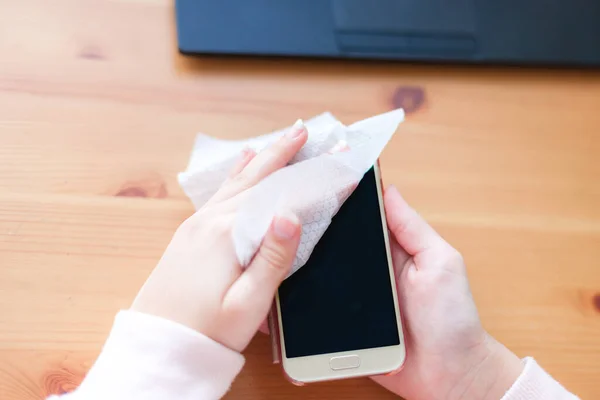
344, 362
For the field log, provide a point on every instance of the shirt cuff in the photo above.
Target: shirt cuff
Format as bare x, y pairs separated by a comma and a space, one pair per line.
535, 384
151, 358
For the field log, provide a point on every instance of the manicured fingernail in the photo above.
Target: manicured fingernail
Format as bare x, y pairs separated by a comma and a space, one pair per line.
285, 226
296, 130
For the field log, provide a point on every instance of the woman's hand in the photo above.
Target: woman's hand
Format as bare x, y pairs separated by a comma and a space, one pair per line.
199, 282
449, 354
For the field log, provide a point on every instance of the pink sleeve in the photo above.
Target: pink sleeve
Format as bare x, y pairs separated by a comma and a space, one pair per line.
151, 358
535, 384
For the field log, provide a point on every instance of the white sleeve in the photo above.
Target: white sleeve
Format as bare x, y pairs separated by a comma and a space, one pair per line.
151, 358
535, 384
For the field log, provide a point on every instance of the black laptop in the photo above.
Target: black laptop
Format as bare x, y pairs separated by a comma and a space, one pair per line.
548, 32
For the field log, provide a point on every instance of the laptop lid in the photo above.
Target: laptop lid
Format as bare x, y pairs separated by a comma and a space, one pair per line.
467, 31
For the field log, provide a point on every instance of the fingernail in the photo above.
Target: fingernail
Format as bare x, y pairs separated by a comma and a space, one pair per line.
246, 152
394, 192
297, 130
285, 227
340, 147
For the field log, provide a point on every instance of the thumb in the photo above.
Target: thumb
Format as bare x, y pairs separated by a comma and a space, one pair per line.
411, 231
251, 295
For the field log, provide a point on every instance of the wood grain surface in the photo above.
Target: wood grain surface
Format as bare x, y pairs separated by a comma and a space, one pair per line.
98, 113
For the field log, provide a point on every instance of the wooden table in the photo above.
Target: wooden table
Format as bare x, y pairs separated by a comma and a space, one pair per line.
98, 113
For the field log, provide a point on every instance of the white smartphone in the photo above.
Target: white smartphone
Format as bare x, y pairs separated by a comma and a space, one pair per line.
338, 316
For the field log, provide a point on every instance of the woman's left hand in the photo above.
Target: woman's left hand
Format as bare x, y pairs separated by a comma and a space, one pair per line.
199, 282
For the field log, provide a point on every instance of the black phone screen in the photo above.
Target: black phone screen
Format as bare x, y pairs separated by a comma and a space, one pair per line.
342, 299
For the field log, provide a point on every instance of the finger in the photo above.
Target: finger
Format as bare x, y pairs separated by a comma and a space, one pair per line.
399, 257
279, 154
274, 157
246, 156
264, 327
408, 228
250, 298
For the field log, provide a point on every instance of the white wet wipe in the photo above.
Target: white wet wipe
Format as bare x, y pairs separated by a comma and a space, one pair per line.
314, 185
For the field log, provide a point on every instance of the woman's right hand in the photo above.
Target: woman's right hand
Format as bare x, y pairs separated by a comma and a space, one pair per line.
449, 354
